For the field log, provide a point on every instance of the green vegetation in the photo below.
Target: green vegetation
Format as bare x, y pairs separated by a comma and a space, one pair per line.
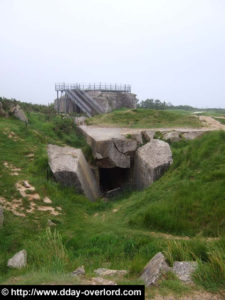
146, 118
188, 200
212, 112
28, 107
170, 283
222, 121
211, 275
163, 105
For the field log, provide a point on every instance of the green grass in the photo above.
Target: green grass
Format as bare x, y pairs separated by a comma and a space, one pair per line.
43, 277
170, 283
222, 121
146, 118
187, 200
213, 112
28, 107
211, 274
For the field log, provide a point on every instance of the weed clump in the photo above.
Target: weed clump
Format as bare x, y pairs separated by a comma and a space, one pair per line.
48, 252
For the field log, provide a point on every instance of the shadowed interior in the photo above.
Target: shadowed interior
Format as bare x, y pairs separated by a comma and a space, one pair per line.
111, 178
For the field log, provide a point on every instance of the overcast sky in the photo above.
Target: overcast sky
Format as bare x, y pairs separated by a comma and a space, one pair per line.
172, 50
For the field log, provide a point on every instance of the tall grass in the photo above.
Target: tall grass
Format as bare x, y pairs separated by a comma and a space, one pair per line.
211, 274
48, 252
189, 198
186, 251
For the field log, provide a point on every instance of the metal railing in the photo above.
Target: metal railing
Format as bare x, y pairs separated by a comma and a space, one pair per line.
93, 87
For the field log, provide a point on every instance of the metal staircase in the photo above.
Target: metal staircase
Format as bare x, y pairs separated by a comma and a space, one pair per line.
96, 108
86, 103
78, 94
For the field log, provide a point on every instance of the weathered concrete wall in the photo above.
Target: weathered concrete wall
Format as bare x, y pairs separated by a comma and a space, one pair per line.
65, 106
108, 101
110, 148
150, 162
114, 100
70, 168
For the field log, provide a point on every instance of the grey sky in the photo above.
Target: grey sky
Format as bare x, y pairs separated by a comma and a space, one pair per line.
173, 50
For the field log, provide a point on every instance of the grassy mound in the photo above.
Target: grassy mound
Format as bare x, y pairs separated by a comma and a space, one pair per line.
146, 118
189, 198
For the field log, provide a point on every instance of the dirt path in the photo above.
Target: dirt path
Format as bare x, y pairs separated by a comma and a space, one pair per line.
176, 237
211, 123
168, 236
223, 118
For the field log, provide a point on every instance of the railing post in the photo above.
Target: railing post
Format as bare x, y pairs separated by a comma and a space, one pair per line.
62, 87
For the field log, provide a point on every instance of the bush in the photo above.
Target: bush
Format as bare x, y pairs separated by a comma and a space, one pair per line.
63, 126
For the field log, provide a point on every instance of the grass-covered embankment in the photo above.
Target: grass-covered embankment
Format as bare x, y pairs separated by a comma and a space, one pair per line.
187, 200
222, 121
146, 118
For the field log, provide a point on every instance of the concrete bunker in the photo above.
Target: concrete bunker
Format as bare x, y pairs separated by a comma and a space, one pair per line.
126, 158
92, 99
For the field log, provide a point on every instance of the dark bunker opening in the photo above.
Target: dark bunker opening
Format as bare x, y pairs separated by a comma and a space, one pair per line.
112, 178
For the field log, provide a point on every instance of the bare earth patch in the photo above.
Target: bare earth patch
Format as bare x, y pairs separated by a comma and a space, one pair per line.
48, 208
18, 206
23, 187
47, 200
11, 135
211, 123
30, 155
177, 237
14, 171
15, 206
